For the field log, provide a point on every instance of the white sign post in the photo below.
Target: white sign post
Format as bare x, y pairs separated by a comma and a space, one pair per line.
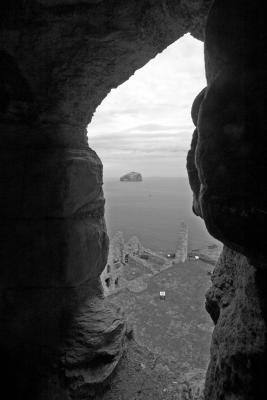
162, 295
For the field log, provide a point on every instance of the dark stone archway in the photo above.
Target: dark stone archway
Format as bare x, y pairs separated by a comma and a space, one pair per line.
59, 59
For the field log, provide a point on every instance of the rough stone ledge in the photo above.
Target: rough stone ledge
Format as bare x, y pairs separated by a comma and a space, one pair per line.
237, 304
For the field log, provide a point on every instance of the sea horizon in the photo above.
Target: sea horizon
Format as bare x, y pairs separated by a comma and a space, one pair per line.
153, 210
147, 177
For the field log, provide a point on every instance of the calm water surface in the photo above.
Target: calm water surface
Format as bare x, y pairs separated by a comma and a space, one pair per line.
153, 210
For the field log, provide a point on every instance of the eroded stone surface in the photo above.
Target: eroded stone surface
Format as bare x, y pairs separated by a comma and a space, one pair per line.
61, 344
69, 55
95, 346
230, 142
63, 183
230, 157
226, 166
52, 209
237, 304
191, 156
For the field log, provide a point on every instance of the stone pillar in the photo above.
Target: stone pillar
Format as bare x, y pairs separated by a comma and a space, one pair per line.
227, 169
54, 325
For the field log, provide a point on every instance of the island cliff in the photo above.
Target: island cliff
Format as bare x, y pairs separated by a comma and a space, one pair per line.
131, 177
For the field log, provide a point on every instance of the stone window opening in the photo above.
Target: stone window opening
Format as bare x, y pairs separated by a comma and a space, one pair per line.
53, 73
122, 143
108, 282
146, 108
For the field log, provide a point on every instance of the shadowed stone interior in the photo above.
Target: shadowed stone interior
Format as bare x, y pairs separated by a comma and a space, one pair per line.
228, 152
58, 59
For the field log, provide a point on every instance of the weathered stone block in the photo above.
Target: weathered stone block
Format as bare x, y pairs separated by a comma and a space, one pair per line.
50, 183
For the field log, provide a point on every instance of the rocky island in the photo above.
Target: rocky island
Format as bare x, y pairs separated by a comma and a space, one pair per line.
131, 177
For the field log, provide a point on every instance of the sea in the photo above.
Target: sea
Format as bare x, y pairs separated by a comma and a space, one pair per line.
153, 210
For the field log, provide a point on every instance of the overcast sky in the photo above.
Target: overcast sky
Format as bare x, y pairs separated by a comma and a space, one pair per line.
144, 125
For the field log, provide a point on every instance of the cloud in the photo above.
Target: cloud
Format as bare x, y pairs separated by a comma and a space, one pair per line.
143, 141
152, 127
138, 135
149, 115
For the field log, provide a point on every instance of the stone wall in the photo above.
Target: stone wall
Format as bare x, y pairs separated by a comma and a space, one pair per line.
59, 59
120, 253
226, 166
111, 275
237, 304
